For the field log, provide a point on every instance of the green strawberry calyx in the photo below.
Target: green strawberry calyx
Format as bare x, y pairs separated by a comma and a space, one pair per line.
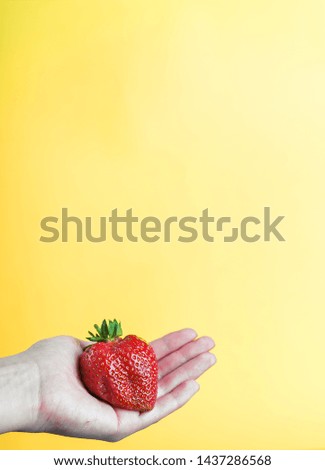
106, 332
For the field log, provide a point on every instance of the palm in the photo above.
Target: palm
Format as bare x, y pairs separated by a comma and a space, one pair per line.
67, 408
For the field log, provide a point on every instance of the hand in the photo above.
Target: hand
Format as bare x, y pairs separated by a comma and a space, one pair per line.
65, 407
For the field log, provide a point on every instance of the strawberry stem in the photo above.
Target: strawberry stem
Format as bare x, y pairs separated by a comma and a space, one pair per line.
106, 332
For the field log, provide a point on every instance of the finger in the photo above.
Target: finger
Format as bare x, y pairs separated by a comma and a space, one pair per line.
84, 344
169, 403
191, 370
184, 354
173, 341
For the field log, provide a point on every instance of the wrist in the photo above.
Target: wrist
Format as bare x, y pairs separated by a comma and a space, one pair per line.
19, 393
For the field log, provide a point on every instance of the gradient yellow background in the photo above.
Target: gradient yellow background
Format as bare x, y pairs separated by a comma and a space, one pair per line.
170, 107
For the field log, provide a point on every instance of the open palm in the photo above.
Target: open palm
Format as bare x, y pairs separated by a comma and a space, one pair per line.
66, 407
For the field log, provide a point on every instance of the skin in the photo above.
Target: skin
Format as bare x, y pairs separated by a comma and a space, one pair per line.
40, 389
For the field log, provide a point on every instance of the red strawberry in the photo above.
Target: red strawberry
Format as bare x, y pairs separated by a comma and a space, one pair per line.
123, 372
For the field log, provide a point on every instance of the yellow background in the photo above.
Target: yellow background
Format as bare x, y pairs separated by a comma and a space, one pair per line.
170, 107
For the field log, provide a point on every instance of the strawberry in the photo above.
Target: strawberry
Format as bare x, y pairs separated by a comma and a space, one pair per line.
122, 372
